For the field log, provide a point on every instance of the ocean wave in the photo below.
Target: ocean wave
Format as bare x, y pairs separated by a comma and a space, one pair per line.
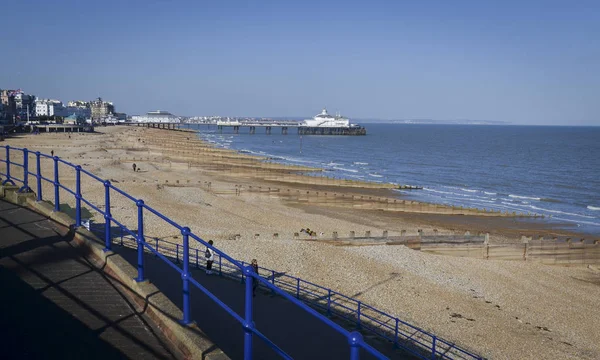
524, 197
375, 175
334, 164
490, 193
469, 190
594, 208
346, 170
360, 163
560, 212
437, 191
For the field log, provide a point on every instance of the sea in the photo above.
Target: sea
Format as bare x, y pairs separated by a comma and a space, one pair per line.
546, 170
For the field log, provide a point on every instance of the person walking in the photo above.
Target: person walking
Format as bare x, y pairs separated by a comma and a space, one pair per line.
134, 166
254, 265
209, 254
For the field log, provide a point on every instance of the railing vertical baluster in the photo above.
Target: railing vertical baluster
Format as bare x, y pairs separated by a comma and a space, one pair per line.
197, 265
328, 302
157, 251
56, 186
38, 176
121, 235
273, 281
433, 341
396, 334
78, 196
220, 265
8, 180
185, 276
140, 241
107, 218
358, 315
355, 339
297, 288
177, 253
248, 322
243, 265
25, 187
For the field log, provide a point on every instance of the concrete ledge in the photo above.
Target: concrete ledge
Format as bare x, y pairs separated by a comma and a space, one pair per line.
189, 341
7, 188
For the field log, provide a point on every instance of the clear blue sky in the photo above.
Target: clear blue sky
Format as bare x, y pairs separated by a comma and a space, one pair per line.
526, 62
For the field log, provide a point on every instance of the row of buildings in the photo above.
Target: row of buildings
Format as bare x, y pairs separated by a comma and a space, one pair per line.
17, 106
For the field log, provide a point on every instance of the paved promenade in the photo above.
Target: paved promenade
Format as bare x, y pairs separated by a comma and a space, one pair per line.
295, 331
55, 304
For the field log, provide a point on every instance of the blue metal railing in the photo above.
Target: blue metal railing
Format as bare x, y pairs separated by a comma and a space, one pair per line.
312, 298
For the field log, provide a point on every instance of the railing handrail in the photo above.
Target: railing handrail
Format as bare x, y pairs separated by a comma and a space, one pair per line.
355, 339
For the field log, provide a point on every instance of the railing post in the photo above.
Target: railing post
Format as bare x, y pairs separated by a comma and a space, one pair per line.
140, 241
244, 265
107, 218
273, 281
7, 165
185, 276
8, 179
56, 186
358, 316
78, 196
355, 339
38, 176
433, 347
248, 323
396, 334
328, 302
25, 187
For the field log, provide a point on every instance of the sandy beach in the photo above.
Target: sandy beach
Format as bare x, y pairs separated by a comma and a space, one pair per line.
500, 309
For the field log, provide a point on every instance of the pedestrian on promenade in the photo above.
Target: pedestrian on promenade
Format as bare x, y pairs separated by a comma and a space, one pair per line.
254, 265
134, 167
52, 153
210, 256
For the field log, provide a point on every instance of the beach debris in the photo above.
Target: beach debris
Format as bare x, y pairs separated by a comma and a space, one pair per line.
459, 316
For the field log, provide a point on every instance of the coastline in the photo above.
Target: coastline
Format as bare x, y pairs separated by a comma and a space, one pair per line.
425, 289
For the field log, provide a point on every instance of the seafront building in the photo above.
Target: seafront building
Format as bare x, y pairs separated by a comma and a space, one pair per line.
157, 116
7, 106
48, 107
79, 104
101, 109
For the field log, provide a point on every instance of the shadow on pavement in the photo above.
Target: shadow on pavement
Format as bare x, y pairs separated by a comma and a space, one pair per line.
33, 327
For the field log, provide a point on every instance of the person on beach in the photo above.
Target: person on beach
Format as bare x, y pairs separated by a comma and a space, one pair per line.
254, 265
134, 167
209, 255
52, 153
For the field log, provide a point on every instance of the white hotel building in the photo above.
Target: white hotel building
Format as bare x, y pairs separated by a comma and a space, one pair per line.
46, 107
157, 116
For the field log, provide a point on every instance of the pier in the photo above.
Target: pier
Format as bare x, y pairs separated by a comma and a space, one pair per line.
284, 128
301, 130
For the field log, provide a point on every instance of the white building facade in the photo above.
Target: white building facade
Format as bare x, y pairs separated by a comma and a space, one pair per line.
46, 107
